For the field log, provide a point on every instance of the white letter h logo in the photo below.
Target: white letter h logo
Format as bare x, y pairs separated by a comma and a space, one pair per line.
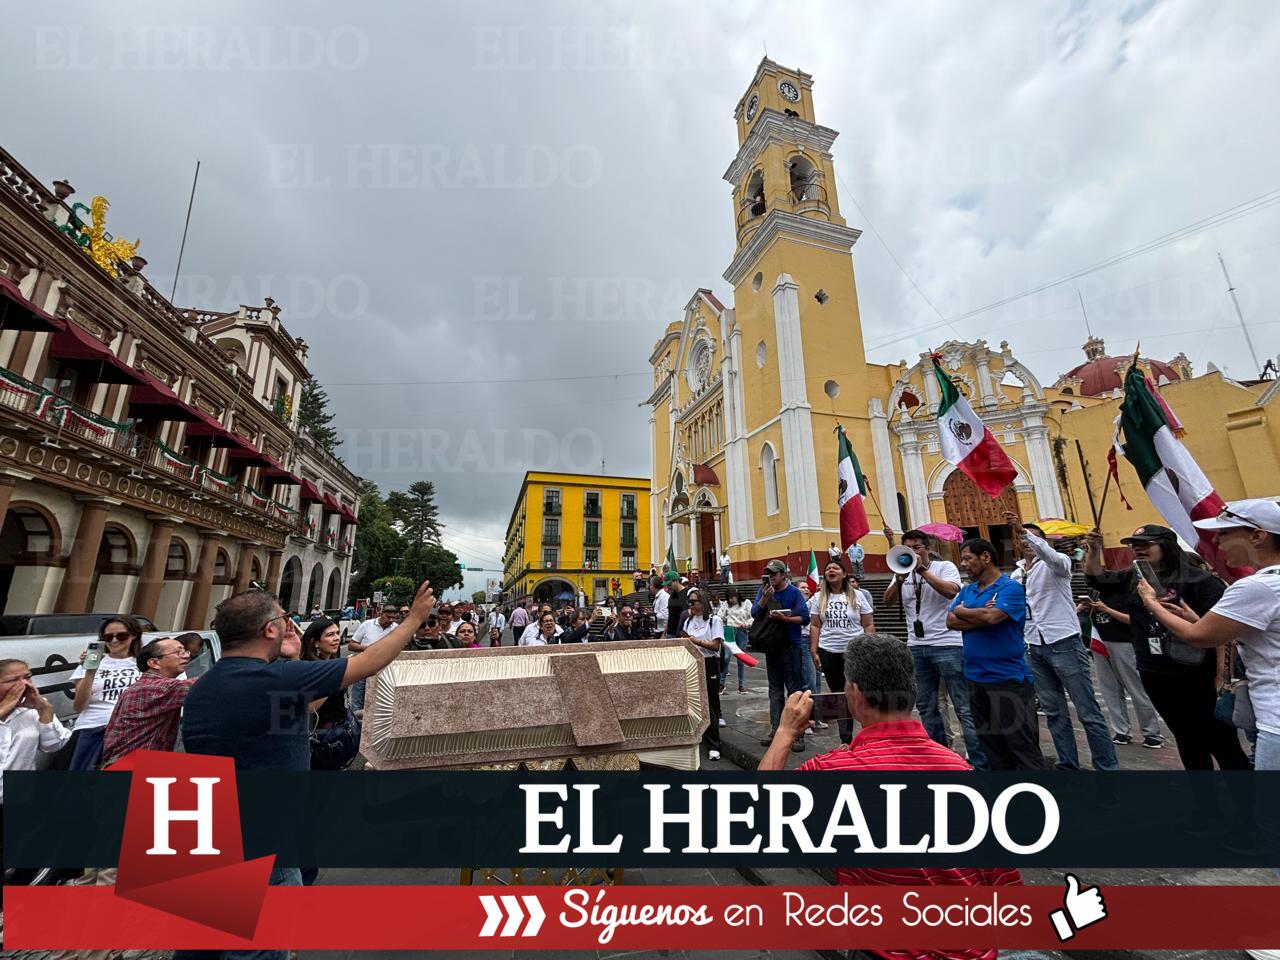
202, 815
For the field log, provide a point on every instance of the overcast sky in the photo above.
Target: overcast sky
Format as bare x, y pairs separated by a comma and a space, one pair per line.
481, 216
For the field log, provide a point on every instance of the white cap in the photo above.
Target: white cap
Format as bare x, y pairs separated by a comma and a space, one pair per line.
1258, 514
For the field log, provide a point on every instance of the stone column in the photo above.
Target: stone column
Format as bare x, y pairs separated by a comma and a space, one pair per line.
799, 468
913, 477
6, 494
73, 595
151, 580
274, 557
198, 600
244, 569
882, 452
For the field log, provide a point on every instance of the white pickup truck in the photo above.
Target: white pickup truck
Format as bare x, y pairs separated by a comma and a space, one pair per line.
51, 644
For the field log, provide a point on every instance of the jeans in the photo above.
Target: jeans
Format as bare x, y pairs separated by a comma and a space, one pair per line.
1118, 675
357, 695
786, 676
810, 680
1061, 670
724, 575
945, 664
727, 658
280, 877
1004, 716
88, 750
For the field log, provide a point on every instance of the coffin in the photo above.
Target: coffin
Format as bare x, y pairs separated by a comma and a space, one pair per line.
590, 703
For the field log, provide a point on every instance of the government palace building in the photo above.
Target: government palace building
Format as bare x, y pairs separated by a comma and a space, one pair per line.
746, 396
151, 460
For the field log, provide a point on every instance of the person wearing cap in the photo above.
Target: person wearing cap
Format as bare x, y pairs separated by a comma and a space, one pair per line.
1058, 660
778, 599
661, 599
1247, 614
1180, 679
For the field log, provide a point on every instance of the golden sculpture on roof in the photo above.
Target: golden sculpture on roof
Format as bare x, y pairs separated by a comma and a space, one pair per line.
106, 251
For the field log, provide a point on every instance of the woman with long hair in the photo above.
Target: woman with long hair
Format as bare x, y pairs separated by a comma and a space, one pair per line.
706, 631
98, 686
466, 634
335, 735
837, 614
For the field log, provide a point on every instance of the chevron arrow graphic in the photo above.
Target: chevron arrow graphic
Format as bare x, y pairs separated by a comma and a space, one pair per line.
508, 908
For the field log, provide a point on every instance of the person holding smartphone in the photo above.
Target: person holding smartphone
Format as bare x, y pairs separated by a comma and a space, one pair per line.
925, 595
779, 599
106, 671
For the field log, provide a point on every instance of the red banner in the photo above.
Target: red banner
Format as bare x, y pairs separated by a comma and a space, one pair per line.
644, 918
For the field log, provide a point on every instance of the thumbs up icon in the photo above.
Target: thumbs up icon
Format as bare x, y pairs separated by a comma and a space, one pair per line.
1081, 908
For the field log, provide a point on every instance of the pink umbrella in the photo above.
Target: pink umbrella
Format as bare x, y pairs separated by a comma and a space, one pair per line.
943, 531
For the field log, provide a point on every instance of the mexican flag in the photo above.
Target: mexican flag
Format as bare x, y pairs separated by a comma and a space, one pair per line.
671, 557
966, 441
853, 487
813, 576
1173, 480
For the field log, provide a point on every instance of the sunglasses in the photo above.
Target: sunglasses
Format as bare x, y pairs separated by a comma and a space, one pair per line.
117, 636
1232, 515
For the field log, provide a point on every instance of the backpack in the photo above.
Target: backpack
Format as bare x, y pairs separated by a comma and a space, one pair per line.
767, 635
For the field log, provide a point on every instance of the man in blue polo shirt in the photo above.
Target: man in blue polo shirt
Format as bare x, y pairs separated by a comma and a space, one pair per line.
779, 600
989, 612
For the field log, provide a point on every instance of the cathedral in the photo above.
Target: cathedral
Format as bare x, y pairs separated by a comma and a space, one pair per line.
746, 397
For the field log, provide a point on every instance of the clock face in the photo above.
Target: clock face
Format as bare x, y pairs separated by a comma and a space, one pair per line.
789, 91
752, 104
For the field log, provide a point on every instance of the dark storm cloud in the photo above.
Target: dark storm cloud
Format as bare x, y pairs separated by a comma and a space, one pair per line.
482, 216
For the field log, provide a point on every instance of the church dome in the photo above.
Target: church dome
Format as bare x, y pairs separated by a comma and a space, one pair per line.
1101, 375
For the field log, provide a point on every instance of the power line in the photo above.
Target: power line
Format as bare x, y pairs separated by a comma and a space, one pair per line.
485, 381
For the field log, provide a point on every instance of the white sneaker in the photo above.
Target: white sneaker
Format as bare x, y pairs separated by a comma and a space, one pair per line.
1264, 954
713, 754
722, 723
819, 725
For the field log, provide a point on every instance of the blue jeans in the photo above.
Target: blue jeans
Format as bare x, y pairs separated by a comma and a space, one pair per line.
727, 658
810, 681
945, 664
280, 877
786, 676
1061, 670
357, 695
88, 751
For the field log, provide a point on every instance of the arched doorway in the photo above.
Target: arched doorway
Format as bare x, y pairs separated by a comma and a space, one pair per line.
314, 587
177, 584
553, 590
291, 585
117, 562
333, 598
978, 514
30, 542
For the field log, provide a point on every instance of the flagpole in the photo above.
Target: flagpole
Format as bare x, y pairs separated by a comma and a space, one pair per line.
870, 491
185, 227
1088, 487
1097, 517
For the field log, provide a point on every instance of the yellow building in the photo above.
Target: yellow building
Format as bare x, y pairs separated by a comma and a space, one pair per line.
572, 532
746, 397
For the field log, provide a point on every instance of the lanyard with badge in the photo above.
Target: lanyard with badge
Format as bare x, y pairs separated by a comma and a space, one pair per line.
917, 586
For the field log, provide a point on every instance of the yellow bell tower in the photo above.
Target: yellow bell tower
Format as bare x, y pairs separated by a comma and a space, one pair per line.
796, 336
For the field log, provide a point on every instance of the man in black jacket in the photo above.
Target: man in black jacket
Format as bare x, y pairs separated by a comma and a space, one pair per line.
627, 626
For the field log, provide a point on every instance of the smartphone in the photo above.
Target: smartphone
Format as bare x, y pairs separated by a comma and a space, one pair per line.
829, 707
94, 658
1148, 573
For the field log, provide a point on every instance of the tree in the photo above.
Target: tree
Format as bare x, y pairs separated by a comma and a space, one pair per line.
395, 590
478, 597
377, 542
416, 512
314, 415
433, 562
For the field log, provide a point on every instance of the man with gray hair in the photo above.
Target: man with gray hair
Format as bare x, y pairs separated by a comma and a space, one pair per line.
880, 689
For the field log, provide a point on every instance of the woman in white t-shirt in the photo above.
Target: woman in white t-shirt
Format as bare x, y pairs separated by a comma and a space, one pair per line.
98, 689
706, 630
735, 611
838, 613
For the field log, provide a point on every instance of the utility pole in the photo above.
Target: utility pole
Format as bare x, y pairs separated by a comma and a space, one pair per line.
1239, 316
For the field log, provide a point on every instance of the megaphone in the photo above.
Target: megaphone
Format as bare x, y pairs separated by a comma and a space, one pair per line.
901, 560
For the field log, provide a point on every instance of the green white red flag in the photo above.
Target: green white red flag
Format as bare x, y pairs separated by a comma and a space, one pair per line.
966, 442
852, 487
671, 557
1174, 482
812, 576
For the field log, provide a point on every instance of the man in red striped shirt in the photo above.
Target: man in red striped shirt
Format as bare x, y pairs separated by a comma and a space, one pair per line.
881, 690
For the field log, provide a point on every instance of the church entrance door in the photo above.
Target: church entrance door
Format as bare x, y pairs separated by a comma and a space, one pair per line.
707, 541
979, 515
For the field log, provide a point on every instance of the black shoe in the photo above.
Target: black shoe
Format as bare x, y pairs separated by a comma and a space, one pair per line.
1122, 738
798, 746
1153, 743
766, 741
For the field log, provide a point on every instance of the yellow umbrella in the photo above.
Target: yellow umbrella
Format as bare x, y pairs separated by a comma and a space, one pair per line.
1063, 528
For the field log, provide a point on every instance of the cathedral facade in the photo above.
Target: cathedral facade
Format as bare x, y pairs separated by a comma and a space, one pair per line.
746, 397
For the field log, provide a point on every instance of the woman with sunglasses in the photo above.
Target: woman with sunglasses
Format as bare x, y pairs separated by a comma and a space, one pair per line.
706, 631
97, 689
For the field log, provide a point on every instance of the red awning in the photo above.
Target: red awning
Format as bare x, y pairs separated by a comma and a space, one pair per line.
309, 492
242, 449
330, 504
73, 344
704, 476
19, 313
348, 514
156, 393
